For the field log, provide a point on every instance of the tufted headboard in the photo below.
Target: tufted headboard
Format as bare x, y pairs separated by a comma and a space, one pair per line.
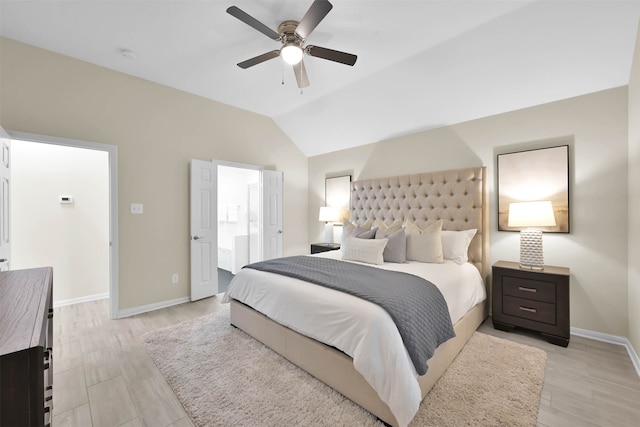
458, 196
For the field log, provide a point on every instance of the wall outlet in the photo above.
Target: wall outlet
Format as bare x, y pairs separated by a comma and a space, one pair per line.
175, 279
136, 208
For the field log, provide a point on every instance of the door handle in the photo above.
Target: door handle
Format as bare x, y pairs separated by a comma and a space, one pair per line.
3, 260
197, 237
279, 231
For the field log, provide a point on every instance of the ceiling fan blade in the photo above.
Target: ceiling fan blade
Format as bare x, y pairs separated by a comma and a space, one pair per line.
252, 22
259, 59
332, 55
312, 18
301, 74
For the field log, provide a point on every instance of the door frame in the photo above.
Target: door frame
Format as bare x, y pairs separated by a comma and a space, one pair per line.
112, 151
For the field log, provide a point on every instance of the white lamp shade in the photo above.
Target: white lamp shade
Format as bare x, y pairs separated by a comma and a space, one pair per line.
329, 214
531, 214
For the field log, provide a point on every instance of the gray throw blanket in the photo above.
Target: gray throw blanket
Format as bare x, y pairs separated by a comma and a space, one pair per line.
416, 305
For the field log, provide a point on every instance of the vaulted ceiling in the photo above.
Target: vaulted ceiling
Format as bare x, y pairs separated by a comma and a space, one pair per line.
421, 63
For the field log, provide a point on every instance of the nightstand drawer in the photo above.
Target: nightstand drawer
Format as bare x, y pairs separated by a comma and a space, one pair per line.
529, 309
529, 289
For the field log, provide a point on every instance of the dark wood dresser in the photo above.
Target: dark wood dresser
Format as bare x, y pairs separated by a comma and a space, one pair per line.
26, 344
532, 299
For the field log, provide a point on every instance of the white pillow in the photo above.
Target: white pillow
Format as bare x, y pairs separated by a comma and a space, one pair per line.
455, 244
364, 250
424, 245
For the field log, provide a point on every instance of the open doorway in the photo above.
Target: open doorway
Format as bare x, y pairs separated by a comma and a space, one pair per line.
244, 204
72, 208
60, 217
239, 213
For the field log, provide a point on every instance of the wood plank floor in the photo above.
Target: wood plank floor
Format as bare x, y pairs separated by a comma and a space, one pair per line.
104, 377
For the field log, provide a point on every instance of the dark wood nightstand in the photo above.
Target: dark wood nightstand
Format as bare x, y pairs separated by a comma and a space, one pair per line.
324, 247
532, 299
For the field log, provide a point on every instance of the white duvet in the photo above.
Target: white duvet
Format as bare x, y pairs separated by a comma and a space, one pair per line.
361, 329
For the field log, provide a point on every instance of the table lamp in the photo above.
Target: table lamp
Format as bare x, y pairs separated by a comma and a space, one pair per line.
329, 215
530, 215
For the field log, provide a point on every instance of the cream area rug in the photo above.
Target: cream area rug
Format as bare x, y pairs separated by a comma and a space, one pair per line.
224, 377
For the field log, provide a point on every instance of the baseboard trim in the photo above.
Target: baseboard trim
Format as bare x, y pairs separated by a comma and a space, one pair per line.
612, 339
150, 307
88, 298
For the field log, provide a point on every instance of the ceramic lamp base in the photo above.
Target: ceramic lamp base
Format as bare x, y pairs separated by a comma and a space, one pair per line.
328, 232
531, 249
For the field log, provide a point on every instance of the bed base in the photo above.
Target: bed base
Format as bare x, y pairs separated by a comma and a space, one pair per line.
335, 368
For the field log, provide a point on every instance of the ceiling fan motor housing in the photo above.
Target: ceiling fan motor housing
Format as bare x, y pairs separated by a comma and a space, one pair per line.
287, 30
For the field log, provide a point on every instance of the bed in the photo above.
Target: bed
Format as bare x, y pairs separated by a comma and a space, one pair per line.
458, 198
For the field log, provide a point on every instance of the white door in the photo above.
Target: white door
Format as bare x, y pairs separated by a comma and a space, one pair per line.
5, 157
272, 214
204, 233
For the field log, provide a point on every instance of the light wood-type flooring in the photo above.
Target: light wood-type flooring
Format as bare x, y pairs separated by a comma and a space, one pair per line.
104, 377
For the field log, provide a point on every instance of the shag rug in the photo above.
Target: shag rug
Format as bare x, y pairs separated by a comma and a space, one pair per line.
224, 377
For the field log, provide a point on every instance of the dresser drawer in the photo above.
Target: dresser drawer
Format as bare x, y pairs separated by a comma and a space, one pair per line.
529, 289
529, 309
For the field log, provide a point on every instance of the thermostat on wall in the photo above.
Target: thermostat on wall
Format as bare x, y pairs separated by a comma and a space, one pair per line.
66, 199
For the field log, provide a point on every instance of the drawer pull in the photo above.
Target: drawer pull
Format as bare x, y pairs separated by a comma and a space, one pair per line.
527, 309
523, 289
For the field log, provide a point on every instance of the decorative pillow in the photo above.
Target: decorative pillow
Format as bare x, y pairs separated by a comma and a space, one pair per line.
371, 234
350, 229
389, 229
424, 245
455, 244
396, 249
364, 250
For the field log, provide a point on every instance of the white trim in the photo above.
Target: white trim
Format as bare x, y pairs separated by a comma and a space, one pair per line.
150, 307
236, 165
612, 339
88, 298
112, 150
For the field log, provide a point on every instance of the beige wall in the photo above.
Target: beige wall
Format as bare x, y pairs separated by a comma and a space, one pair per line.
634, 199
157, 131
72, 238
595, 126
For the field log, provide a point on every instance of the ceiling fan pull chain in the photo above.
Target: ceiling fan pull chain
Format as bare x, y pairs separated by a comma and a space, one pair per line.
282, 70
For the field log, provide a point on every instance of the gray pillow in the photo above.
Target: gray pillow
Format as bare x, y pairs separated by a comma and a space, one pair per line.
396, 249
370, 234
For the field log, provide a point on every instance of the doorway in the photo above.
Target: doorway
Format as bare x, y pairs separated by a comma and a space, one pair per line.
235, 219
63, 205
239, 212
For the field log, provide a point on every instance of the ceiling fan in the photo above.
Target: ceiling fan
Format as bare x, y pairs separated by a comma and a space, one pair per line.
293, 35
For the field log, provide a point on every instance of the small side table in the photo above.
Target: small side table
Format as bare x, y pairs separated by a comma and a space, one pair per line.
532, 299
324, 247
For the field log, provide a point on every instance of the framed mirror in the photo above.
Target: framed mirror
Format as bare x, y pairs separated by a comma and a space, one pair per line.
535, 175
337, 192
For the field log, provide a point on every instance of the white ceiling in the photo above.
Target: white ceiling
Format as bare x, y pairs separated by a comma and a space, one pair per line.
421, 63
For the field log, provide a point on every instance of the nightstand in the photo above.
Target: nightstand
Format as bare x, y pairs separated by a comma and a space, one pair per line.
324, 247
533, 299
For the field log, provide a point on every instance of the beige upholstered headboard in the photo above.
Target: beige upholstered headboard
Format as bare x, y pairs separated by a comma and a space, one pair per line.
458, 197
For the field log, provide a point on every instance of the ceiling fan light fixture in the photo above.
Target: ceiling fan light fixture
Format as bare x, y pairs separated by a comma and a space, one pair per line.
291, 53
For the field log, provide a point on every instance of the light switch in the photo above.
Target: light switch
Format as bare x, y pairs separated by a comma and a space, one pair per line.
136, 208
